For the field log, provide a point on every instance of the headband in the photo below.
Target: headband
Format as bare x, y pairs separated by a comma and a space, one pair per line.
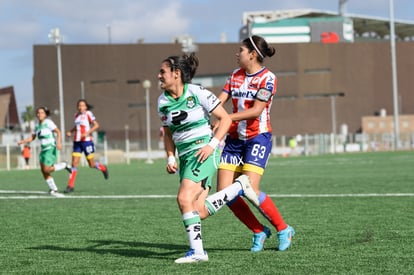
171, 61
255, 47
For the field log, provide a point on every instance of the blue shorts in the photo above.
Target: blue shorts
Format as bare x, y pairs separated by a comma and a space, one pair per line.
247, 155
86, 147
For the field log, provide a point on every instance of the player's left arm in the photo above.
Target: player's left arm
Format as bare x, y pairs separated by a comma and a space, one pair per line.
58, 138
94, 127
224, 122
264, 94
250, 113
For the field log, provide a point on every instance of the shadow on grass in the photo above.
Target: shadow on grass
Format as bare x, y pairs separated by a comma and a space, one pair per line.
127, 249
122, 248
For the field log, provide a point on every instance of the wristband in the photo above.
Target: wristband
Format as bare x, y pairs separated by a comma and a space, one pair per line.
171, 160
214, 142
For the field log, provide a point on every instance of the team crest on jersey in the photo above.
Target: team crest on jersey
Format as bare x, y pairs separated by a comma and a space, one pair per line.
254, 82
190, 102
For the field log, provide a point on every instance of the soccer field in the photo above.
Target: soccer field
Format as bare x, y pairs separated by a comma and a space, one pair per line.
352, 213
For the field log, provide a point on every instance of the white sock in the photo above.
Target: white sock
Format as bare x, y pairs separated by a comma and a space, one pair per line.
51, 183
60, 166
192, 223
219, 199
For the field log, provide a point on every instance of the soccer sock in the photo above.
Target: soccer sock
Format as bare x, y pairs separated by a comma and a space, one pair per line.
270, 211
60, 166
192, 223
217, 200
51, 183
100, 166
72, 177
243, 212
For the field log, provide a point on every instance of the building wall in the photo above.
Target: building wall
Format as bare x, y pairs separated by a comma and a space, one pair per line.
9, 117
385, 124
307, 75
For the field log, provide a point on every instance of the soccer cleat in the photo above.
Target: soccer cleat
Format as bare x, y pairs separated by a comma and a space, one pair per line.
190, 257
248, 191
259, 238
285, 238
56, 194
68, 167
69, 190
105, 172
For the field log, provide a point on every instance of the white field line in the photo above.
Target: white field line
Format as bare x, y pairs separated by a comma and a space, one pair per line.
45, 195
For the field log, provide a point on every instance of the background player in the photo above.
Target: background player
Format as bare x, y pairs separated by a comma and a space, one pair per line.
85, 125
45, 131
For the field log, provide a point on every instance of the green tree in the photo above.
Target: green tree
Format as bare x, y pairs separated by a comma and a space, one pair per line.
28, 117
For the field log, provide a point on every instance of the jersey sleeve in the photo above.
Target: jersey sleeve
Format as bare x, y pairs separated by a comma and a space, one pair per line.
208, 100
267, 87
228, 84
91, 116
226, 87
51, 125
161, 101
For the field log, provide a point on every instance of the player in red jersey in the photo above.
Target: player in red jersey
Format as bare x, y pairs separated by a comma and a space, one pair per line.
249, 141
85, 125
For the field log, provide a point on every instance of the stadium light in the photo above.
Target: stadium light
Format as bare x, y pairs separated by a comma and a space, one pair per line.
108, 27
147, 85
56, 38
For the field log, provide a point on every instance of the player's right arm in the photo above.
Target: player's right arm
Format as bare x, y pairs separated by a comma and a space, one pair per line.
27, 140
170, 150
69, 133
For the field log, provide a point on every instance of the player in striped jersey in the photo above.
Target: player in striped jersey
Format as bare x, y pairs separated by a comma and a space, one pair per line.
249, 142
85, 125
185, 111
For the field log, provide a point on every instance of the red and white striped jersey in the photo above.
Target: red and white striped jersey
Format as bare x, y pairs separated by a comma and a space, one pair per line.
244, 89
83, 123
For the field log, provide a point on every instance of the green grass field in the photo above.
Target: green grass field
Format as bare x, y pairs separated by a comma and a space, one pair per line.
353, 214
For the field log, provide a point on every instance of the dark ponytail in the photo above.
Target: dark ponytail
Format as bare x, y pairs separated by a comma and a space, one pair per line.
187, 64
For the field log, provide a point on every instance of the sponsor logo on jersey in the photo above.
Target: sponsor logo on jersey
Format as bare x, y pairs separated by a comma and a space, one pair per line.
254, 83
270, 83
242, 94
199, 141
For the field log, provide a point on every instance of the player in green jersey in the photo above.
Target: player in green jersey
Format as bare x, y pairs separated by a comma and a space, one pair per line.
45, 131
185, 111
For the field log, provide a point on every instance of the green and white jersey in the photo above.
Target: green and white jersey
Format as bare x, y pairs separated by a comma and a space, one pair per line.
44, 132
188, 117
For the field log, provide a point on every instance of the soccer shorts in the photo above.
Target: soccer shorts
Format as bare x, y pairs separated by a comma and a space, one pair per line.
193, 170
86, 147
247, 155
48, 157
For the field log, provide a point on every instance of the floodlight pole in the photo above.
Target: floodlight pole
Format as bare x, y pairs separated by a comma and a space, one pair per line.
127, 143
56, 38
147, 85
394, 78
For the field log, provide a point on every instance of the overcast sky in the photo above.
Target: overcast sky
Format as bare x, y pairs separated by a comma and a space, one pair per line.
24, 23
